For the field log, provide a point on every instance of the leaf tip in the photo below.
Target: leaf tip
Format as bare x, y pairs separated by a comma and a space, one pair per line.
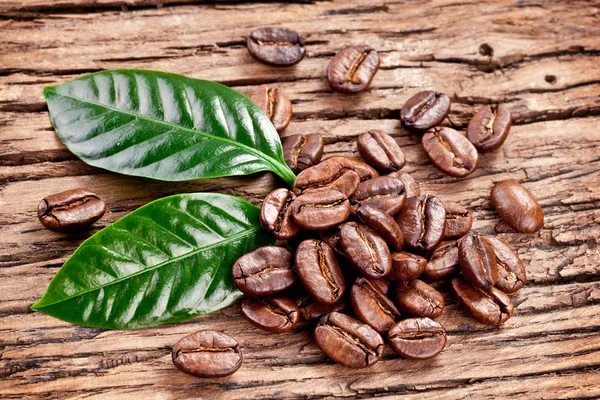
47, 91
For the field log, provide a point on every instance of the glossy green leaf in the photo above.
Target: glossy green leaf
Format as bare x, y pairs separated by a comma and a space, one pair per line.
164, 126
166, 262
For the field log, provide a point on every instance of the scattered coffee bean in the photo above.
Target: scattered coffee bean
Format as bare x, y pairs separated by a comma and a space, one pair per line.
511, 271
364, 170
490, 307
302, 151
311, 309
372, 307
419, 299
348, 341
276, 314
425, 110
380, 151
477, 261
275, 104
320, 209
276, 214
278, 47
417, 338
207, 354
331, 173
517, 206
422, 222
443, 262
450, 151
70, 210
458, 220
406, 266
265, 271
365, 250
319, 271
382, 223
411, 187
489, 127
352, 69
384, 193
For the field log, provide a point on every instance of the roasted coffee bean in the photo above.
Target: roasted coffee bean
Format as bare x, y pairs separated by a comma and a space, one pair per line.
319, 271
490, 307
382, 223
207, 354
364, 170
348, 341
511, 271
443, 262
70, 210
265, 271
365, 250
278, 47
458, 220
320, 209
335, 174
276, 314
417, 338
302, 151
380, 151
352, 69
372, 307
332, 238
419, 299
517, 206
383, 285
406, 266
422, 222
477, 261
311, 309
276, 214
411, 187
450, 151
275, 104
384, 193
489, 127
425, 110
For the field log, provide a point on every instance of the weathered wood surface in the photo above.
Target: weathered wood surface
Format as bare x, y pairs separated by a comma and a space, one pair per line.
544, 66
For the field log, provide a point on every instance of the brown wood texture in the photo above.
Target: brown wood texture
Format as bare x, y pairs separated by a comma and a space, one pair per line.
540, 58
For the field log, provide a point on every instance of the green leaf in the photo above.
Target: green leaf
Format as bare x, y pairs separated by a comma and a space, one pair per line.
166, 262
164, 126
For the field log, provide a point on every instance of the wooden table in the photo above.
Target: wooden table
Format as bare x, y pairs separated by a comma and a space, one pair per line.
540, 58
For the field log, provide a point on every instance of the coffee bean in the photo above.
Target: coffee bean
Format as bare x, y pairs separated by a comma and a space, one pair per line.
425, 110
490, 307
422, 222
348, 341
477, 261
411, 187
352, 69
364, 170
70, 210
311, 309
511, 271
265, 271
384, 193
406, 266
382, 223
372, 307
365, 250
276, 214
275, 104
302, 151
517, 206
383, 285
331, 173
450, 151
207, 354
458, 220
489, 127
319, 271
320, 209
443, 262
278, 47
380, 151
419, 299
417, 338
332, 238
275, 314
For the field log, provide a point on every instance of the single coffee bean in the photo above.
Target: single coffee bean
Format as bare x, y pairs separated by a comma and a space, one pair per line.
489, 127
425, 110
411, 187
265, 271
348, 341
352, 69
311, 309
276, 214
417, 338
383, 285
320, 209
517, 206
330, 173
70, 210
302, 151
382, 223
372, 307
276, 314
419, 299
278, 47
384, 193
458, 220
422, 222
511, 271
365, 249
450, 151
380, 151
275, 104
319, 271
477, 261
364, 170
406, 266
207, 354
490, 307
443, 262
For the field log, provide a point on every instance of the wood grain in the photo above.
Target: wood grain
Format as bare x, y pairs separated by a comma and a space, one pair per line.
539, 58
